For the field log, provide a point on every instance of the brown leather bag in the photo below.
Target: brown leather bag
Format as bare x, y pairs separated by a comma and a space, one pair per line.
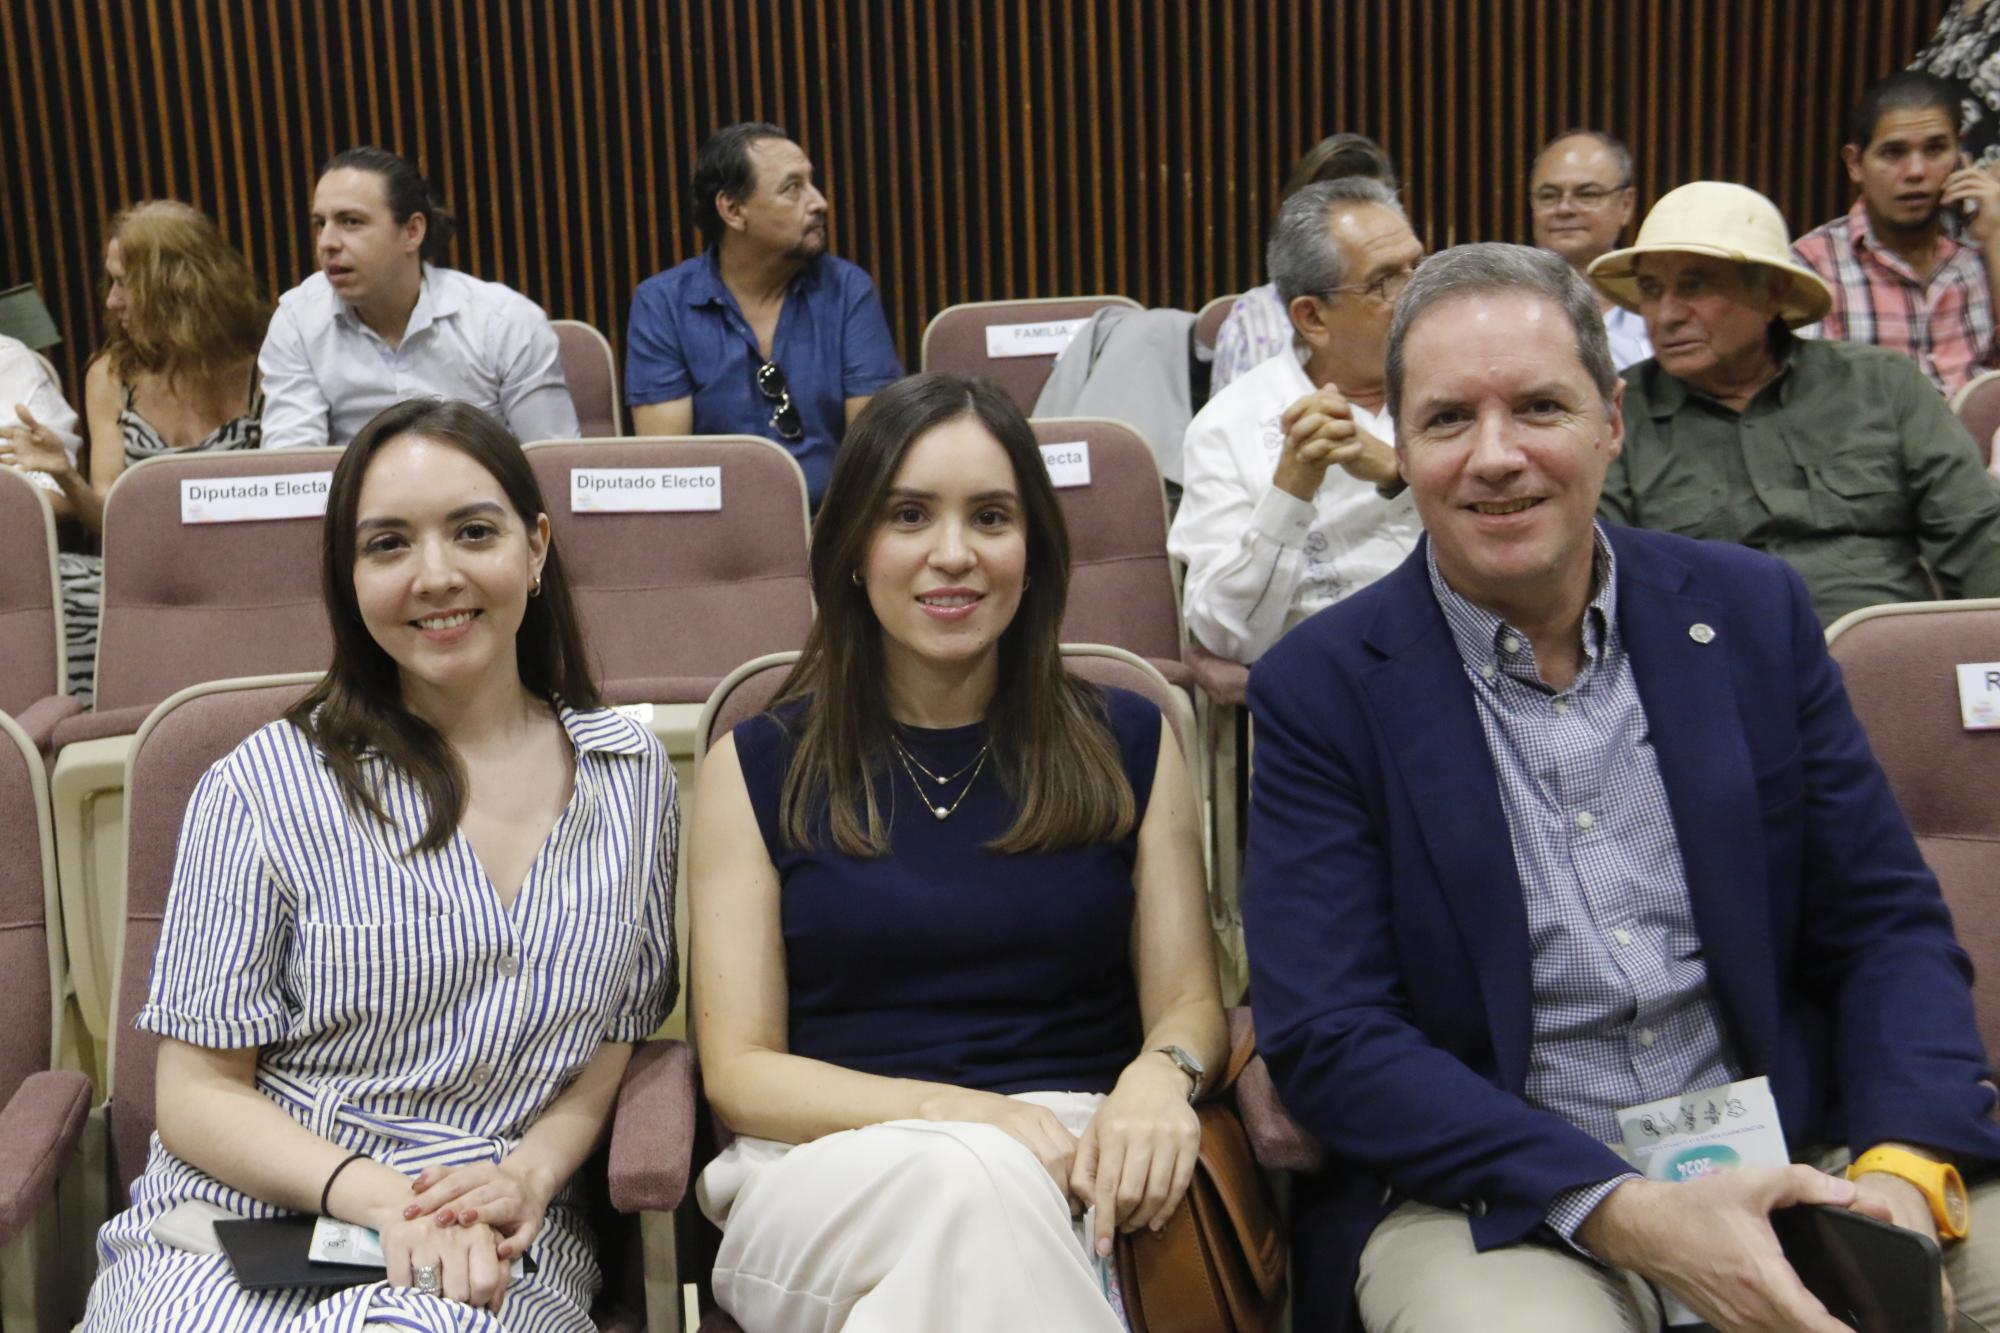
1218, 1265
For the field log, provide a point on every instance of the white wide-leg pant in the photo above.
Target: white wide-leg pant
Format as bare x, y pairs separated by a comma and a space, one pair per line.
905, 1227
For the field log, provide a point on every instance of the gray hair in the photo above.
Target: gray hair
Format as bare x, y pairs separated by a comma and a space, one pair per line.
1621, 156
1302, 258
1491, 266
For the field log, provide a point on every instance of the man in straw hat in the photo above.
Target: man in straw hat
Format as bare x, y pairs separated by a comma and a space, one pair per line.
1560, 820
1838, 457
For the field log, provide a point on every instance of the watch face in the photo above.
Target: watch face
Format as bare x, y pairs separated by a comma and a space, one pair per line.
1955, 1206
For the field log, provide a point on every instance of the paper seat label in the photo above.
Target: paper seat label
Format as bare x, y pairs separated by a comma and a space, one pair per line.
1068, 464
644, 490
254, 499
1047, 338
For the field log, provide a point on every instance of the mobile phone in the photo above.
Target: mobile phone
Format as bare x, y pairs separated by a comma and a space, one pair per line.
1871, 1276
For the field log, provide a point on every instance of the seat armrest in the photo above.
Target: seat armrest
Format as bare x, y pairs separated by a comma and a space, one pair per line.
96, 726
652, 1129
39, 1128
1220, 679
1277, 1139
39, 718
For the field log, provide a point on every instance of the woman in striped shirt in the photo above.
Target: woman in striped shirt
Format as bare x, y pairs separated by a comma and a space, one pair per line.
414, 928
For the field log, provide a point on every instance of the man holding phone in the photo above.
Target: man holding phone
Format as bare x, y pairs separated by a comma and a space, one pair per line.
1911, 265
1559, 819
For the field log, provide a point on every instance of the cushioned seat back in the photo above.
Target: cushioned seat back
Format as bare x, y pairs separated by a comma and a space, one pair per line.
178, 744
31, 661
686, 595
1121, 582
1900, 663
1978, 408
1008, 342
592, 375
1209, 319
29, 966
191, 602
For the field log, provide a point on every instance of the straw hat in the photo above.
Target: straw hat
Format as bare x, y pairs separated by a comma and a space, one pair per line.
1726, 222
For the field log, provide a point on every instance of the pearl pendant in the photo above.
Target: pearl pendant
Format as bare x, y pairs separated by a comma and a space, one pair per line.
939, 811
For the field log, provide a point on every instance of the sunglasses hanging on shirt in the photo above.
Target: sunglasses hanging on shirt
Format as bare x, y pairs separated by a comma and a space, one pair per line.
784, 413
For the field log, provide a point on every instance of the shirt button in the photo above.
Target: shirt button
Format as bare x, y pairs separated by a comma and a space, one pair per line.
482, 1072
1562, 706
1510, 644
509, 965
1647, 1036
1584, 819
1487, 672
1622, 936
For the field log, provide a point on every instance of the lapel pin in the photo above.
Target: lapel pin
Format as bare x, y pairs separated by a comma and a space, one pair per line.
1700, 633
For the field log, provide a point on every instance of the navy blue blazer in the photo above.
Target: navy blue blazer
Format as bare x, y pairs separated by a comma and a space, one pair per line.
1388, 937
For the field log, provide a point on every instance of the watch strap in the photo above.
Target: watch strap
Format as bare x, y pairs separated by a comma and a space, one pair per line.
1939, 1182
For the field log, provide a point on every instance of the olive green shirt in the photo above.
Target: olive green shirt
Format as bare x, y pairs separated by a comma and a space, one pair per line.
1848, 466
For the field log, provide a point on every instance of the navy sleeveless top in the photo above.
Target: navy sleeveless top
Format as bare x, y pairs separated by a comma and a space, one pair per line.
943, 961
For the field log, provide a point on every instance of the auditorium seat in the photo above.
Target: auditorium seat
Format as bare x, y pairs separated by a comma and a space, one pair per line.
1122, 586
649, 1145
1208, 321
592, 375
1978, 408
674, 600
1012, 343
1900, 662
184, 602
42, 1108
33, 673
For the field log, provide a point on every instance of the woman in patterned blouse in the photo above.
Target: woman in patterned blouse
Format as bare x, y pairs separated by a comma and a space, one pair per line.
413, 931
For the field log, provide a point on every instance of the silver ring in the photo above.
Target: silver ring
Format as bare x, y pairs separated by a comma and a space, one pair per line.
424, 1277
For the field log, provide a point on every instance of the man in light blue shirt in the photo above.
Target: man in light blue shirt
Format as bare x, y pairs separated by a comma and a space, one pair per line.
380, 323
763, 333
1581, 198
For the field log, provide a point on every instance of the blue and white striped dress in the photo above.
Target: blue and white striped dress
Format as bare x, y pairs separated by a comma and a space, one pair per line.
398, 1009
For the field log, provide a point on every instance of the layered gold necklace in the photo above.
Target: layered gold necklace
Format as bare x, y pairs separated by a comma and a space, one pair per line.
913, 766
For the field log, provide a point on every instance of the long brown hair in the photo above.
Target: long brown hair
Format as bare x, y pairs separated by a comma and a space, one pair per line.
358, 705
195, 305
1052, 744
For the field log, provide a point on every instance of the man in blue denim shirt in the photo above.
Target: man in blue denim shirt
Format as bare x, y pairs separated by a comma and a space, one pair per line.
764, 333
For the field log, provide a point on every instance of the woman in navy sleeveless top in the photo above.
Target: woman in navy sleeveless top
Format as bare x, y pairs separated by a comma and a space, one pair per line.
953, 975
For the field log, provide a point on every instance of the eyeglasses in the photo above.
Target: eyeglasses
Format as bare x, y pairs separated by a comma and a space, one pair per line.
784, 413
1385, 288
1589, 198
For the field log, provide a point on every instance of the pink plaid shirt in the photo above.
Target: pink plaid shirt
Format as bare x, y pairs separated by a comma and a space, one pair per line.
1944, 325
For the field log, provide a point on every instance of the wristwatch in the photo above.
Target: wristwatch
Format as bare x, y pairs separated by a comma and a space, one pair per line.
1940, 1182
1188, 1065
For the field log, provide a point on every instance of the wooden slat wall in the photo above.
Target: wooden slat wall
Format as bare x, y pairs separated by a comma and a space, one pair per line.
973, 149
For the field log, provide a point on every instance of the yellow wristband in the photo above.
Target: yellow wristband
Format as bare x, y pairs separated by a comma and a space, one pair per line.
1943, 1188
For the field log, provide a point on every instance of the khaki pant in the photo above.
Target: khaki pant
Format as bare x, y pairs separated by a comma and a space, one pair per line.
1420, 1274
903, 1227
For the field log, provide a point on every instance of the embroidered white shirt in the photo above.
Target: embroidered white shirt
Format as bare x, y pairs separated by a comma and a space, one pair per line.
1259, 559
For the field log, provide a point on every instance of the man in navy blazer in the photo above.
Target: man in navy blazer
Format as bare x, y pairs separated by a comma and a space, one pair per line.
1559, 819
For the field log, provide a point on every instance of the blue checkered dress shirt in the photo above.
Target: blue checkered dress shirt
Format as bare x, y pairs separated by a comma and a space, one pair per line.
1622, 1009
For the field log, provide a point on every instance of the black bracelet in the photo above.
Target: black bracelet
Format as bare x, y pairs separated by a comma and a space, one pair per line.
327, 1189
